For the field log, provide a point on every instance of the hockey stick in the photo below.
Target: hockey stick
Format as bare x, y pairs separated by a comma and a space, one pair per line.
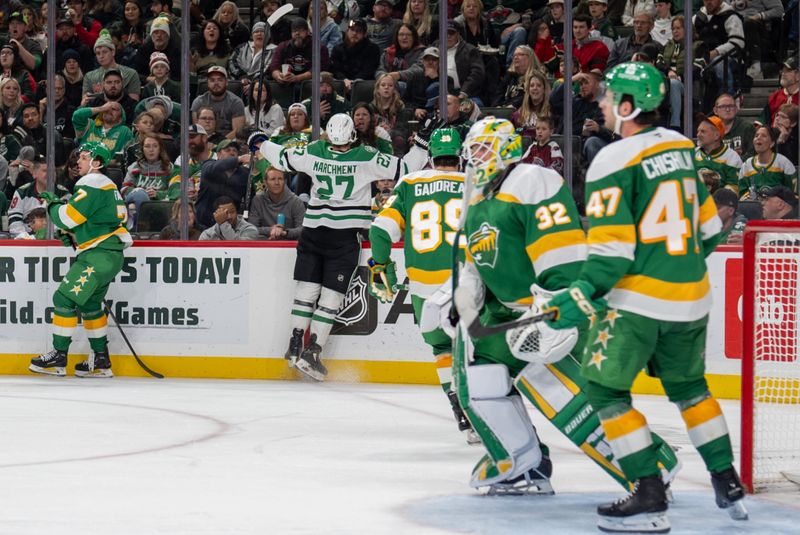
128, 342
271, 21
470, 315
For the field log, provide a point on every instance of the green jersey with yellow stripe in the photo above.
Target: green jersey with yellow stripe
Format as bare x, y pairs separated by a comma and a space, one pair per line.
651, 225
755, 176
528, 231
95, 214
423, 211
721, 165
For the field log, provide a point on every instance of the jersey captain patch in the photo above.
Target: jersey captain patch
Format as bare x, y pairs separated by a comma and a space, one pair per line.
483, 245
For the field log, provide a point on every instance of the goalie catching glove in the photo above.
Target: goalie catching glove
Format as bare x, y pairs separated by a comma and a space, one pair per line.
539, 342
383, 280
575, 306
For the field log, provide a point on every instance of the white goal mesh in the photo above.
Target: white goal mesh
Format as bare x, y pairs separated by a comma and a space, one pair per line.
776, 360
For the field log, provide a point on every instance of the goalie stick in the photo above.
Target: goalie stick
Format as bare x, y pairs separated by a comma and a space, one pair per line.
271, 21
464, 303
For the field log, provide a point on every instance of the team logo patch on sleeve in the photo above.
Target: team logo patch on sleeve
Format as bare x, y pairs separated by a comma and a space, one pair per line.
483, 245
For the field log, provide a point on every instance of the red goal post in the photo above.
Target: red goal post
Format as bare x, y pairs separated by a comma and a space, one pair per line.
770, 441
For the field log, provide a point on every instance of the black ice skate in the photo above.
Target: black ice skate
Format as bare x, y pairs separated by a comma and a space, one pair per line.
729, 493
644, 510
463, 423
309, 362
97, 365
295, 346
54, 362
534, 481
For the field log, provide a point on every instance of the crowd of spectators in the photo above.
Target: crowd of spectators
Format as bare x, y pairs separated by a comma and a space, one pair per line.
119, 81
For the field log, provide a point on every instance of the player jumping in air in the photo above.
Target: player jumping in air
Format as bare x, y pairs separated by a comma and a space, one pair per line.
651, 226
328, 249
92, 221
423, 212
524, 245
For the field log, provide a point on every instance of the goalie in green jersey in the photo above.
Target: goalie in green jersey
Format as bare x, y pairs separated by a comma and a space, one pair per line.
93, 222
423, 212
524, 245
645, 293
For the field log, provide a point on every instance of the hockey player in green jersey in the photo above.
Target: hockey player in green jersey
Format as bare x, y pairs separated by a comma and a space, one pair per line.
93, 221
524, 245
645, 292
423, 212
328, 249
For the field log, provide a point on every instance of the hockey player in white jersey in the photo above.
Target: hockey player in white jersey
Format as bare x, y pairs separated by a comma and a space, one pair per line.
340, 206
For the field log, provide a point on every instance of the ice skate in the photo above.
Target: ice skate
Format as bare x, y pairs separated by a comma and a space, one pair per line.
729, 493
534, 481
463, 423
644, 510
54, 362
295, 346
97, 365
309, 362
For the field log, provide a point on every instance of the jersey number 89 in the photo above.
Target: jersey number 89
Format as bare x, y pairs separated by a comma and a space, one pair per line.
427, 224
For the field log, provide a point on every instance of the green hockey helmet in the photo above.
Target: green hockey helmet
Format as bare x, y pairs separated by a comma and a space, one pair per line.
97, 150
445, 142
643, 82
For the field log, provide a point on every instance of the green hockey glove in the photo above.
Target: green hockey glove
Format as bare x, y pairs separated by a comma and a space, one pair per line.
66, 238
51, 198
383, 280
575, 306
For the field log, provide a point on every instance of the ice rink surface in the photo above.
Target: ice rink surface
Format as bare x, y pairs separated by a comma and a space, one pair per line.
143, 456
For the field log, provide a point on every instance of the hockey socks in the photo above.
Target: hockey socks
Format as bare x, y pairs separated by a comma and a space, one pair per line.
65, 320
708, 431
95, 323
325, 314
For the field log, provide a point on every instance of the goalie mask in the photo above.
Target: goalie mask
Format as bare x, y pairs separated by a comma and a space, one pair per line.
340, 129
490, 147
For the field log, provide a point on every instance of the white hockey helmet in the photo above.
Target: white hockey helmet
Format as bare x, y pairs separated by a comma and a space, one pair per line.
340, 129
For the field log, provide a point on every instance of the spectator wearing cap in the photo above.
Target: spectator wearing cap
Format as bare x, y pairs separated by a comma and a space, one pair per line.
200, 151
760, 19
717, 164
331, 102
160, 40
403, 54
766, 168
787, 92
282, 30
209, 49
231, 24
12, 67
786, 123
738, 132
555, 19
297, 129
721, 33
635, 7
104, 50
464, 64
273, 200
625, 47
66, 41
73, 78
330, 34
163, 8
64, 109
598, 10
294, 57
356, 58
160, 82
245, 60
228, 225
228, 107
662, 22
422, 82
112, 91
29, 50
587, 118
86, 28
590, 51
733, 222
381, 27
225, 176
104, 124
779, 202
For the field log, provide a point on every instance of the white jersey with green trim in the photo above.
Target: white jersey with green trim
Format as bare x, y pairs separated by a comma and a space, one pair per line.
340, 192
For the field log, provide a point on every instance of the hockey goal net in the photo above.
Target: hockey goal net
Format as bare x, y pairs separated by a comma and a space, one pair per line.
770, 448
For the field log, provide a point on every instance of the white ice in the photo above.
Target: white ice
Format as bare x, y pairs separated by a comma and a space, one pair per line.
143, 456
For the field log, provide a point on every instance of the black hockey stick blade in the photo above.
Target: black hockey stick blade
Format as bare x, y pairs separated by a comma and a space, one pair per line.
128, 342
478, 330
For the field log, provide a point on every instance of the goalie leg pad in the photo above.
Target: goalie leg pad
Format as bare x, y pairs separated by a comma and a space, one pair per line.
502, 423
305, 301
325, 315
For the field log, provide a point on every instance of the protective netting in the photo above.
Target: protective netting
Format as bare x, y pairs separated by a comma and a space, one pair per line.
776, 366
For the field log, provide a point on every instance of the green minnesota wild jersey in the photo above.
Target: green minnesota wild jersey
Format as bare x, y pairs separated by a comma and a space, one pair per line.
341, 196
95, 214
721, 165
423, 211
777, 172
527, 232
651, 225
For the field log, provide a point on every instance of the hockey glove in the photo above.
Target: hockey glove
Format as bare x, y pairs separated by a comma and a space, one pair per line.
383, 280
423, 135
575, 307
540, 342
256, 139
66, 238
51, 198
